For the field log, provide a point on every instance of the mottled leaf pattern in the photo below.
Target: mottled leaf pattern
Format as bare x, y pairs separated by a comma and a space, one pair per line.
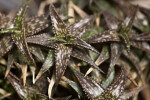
19, 37
116, 89
59, 27
135, 61
6, 44
81, 43
90, 86
110, 35
62, 55
126, 26
144, 46
4, 21
116, 50
132, 92
47, 64
80, 27
25, 92
111, 20
20, 40
37, 52
118, 86
104, 55
83, 55
11, 59
42, 39
141, 37
36, 24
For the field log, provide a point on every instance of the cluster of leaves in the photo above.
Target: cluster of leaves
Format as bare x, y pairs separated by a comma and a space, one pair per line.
111, 53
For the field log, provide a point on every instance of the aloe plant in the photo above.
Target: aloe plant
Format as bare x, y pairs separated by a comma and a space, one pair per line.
103, 56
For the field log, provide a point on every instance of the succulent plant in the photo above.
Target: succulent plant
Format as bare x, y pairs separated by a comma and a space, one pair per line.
102, 56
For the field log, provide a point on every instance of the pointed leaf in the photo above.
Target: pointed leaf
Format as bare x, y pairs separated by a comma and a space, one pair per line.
37, 52
106, 36
104, 55
126, 27
25, 92
11, 59
81, 43
111, 20
20, 40
6, 44
83, 56
19, 18
79, 28
62, 55
116, 50
42, 39
47, 64
90, 86
59, 27
4, 21
141, 37
133, 58
144, 46
130, 93
118, 86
